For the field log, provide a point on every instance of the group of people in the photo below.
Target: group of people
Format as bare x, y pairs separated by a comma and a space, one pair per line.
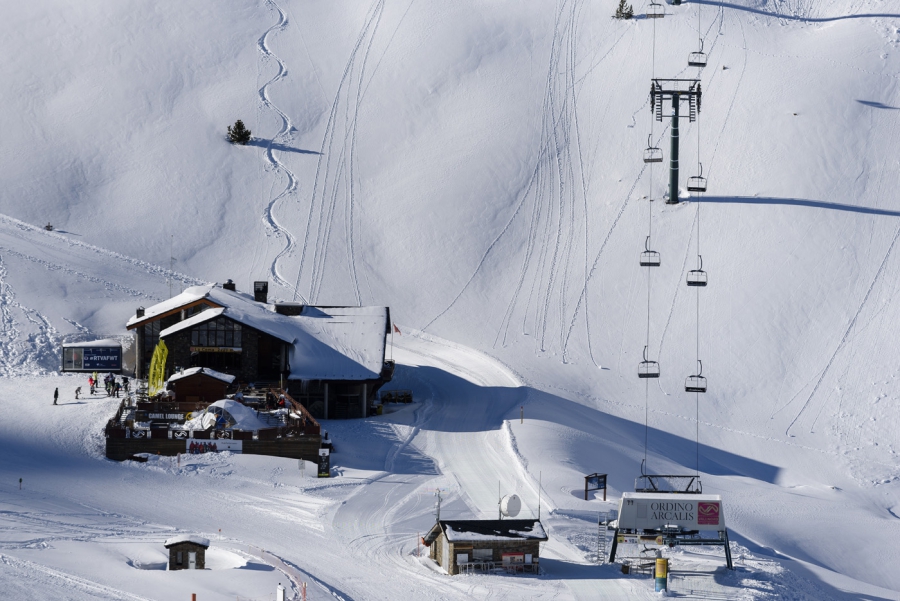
273, 402
112, 385
203, 447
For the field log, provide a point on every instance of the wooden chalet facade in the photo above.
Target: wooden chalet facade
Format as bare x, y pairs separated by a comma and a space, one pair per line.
199, 385
187, 552
461, 546
331, 359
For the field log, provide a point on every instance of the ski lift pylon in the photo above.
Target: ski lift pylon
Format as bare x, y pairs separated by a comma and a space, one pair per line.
652, 154
696, 382
697, 183
655, 11
697, 277
649, 258
648, 369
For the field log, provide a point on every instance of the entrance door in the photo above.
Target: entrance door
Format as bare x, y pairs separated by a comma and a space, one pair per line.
192, 560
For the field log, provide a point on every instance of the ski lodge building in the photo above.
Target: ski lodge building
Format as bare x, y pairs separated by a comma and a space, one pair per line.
463, 546
330, 359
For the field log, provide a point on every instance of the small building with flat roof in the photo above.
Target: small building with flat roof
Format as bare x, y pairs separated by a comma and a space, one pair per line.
200, 385
484, 545
94, 355
187, 552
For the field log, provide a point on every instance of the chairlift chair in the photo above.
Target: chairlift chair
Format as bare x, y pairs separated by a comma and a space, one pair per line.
648, 369
696, 382
697, 277
697, 59
655, 11
649, 258
697, 183
652, 154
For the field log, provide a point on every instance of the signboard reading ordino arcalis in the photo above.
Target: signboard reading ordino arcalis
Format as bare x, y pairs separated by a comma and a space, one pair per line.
653, 511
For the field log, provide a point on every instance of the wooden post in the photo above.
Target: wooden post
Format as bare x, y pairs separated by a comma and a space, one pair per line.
522, 414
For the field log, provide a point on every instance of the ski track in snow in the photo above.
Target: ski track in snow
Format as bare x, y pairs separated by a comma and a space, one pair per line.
283, 136
28, 232
330, 180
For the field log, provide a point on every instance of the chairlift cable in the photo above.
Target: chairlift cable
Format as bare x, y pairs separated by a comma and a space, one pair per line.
649, 270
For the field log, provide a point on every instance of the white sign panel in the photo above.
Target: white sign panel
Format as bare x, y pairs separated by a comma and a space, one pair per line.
651, 511
196, 446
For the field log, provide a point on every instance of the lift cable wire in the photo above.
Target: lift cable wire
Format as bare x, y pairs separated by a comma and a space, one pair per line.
700, 267
649, 268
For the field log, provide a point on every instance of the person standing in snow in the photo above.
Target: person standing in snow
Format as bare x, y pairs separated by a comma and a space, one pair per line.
118, 388
125, 383
55, 395
77, 392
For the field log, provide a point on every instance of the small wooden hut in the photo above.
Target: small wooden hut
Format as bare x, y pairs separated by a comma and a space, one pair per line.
199, 385
187, 552
484, 545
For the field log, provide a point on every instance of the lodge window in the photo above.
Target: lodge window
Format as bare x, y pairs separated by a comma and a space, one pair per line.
217, 332
178, 558
483, 554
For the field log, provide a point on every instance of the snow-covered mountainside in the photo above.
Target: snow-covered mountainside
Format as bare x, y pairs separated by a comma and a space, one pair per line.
478, 168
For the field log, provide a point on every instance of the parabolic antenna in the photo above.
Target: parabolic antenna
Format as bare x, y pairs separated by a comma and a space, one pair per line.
510, 506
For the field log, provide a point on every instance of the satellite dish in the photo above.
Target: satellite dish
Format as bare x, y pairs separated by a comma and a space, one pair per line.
510, 505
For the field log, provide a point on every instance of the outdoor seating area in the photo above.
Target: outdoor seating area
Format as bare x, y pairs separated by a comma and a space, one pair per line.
396, 396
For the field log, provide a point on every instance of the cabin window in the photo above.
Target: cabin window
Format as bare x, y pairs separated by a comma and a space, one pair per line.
217, 332
483, 554
178, 558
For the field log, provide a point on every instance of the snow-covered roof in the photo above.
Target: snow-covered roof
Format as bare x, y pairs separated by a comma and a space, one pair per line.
190, 295
190, 322
228, 378
106, 342
327, 343
338, 343
186, 538
488, 530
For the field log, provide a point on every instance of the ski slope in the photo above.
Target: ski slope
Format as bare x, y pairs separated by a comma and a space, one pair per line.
476, 167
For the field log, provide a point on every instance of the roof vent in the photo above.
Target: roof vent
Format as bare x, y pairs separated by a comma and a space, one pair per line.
229, 285
261, 292
139, 312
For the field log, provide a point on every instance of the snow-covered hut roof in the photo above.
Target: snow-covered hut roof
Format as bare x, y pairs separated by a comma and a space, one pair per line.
227, 378
106, 342
186, 538
487, 530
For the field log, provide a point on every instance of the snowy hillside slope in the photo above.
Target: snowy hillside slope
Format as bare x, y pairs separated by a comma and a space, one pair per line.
477, 167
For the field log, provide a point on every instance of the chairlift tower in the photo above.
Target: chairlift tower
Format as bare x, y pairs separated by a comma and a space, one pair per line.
675, 90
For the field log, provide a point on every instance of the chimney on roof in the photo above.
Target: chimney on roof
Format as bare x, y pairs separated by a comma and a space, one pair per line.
229, 285
139, 312
261, 292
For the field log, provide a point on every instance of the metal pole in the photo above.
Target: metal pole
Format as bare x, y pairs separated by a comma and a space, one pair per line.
673, 161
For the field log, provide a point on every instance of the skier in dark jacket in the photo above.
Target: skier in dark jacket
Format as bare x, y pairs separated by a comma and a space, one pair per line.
55, 395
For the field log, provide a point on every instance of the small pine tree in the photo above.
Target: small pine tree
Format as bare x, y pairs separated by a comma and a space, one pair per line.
624, 11
238, 134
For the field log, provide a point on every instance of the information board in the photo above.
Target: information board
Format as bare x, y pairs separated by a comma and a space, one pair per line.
102, 359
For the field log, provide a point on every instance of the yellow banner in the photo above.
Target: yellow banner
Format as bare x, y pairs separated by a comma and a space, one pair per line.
157, 376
